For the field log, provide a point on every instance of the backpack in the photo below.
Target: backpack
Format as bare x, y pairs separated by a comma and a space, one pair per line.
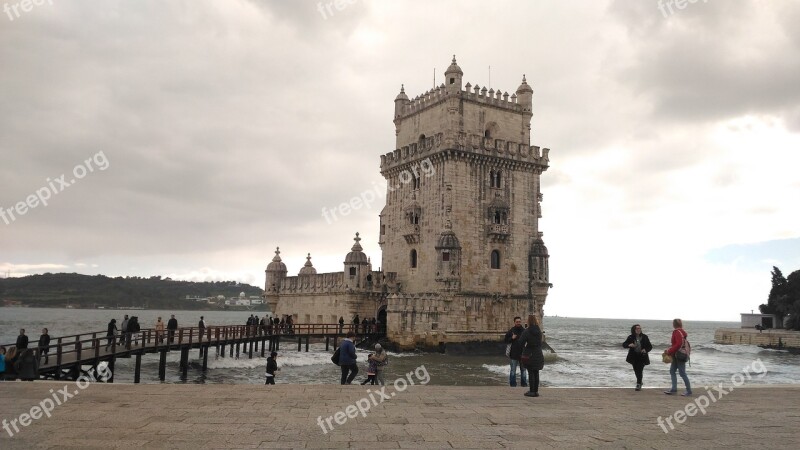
683, 354
335, 357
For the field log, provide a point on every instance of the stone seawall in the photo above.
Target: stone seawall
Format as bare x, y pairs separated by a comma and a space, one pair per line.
772, 338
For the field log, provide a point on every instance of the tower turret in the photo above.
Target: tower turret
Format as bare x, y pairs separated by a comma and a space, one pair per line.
525, 95
400, 102
453, 76
275, 273
356, 265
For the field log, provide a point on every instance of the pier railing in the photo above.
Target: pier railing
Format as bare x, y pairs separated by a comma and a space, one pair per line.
94, 345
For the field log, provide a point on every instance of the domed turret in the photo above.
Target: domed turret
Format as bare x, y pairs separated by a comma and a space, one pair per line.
538, 248
356, 255
453, 76
400, 102
276, 265
308, 268
276, 272
448, 240
525, 95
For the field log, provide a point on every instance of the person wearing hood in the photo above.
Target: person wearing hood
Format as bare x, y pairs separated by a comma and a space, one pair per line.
111, 332
27, 366
272, 367
513, 339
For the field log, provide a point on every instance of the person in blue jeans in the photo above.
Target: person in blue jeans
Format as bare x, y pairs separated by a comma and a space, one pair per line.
512, 338
347, 359
678, 338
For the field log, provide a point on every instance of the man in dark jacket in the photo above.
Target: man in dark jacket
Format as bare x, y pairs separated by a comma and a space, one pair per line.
172, 326
22, 340
44, 344
347, 359
272, 366
513, 338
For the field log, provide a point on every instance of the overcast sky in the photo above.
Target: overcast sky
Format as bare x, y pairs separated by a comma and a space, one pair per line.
218, 130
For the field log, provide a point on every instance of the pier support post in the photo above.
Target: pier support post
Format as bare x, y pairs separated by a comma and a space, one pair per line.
162, 365
263, 344
250, 355
111, 370
138, 368
205, 359
185, 361
327, 343
300, 344
334, 342
308, 338
231, 349
223, 350
237, 350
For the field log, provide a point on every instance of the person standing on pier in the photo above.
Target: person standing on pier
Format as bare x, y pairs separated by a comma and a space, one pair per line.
513, 339
347, 358
532, 352
341, 324
159, 331
44, 344
124, 337
172, 326
272, 367
201, 326
355, 323
111, 332
638, 345
22, 340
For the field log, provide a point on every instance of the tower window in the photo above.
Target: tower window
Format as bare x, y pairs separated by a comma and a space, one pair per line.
495, 179
413, 259
352, 271
383, 230
452, 80
495, 259
445, 255
415, 181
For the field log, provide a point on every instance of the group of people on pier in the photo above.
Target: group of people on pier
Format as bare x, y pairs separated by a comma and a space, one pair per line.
524, 349
22, 361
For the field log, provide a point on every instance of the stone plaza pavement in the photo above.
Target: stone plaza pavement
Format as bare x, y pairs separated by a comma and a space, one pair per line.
285, 416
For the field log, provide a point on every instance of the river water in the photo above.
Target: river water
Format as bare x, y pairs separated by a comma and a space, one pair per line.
589, 353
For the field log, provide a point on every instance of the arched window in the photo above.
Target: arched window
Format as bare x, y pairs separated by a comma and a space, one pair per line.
496, 218
495, 179
413, 259
495, 259
415, 181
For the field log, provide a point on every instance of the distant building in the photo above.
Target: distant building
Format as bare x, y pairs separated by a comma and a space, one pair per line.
765, 321
462, 253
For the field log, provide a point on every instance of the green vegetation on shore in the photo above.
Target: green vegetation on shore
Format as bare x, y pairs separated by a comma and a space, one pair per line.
85, 291
784, 298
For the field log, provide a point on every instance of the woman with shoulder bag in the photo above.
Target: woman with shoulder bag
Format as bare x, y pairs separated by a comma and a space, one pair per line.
638, 345
532, 356
678, 344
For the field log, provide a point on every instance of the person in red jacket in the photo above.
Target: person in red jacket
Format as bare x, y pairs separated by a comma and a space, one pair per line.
678, 338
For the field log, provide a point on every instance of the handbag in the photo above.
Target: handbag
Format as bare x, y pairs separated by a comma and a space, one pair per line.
525, 360
666, 357
335, 357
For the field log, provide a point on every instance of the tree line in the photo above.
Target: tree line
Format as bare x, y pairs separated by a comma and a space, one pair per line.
784, 298
87, 291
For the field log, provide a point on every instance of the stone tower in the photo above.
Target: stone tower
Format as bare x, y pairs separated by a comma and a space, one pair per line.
460, 226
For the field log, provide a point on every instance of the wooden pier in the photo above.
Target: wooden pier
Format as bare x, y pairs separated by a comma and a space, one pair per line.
69, 354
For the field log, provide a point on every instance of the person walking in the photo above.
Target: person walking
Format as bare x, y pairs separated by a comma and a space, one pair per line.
44, 345
347, 358
515, 353
638, 345
679, 336
532, 353
159, 331
382, 359
172, 327
111, 332
22, 340
272, 366
125, 337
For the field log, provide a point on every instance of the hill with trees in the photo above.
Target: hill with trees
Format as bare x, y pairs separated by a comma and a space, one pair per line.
87, 291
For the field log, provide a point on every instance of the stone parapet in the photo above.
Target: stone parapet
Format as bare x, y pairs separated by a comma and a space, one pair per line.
773, 338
